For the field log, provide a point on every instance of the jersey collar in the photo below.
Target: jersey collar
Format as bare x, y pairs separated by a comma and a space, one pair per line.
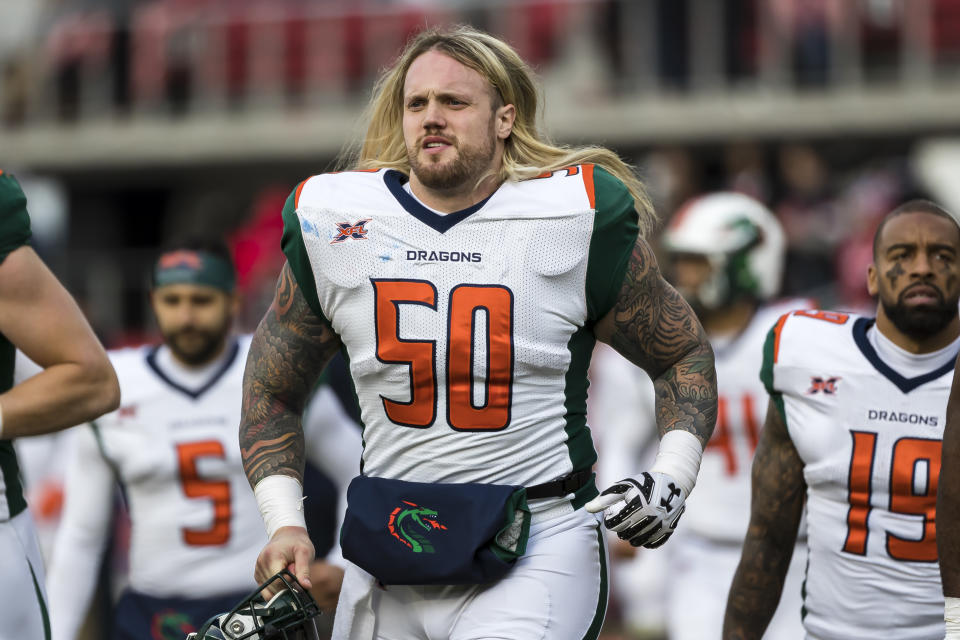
234, 349
442, 223
906, 385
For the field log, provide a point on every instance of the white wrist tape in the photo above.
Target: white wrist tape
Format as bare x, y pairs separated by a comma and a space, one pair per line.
280, 499
679, 457
951, 615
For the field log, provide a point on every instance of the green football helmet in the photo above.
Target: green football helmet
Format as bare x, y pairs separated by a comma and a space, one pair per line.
289, 615
741, 240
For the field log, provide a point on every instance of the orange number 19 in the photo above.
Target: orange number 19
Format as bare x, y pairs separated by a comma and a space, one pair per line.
907, 496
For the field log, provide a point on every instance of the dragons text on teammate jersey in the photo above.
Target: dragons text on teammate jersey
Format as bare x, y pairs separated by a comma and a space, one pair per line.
871, 480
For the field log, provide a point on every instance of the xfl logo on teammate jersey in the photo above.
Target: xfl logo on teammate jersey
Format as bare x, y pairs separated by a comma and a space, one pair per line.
826, 385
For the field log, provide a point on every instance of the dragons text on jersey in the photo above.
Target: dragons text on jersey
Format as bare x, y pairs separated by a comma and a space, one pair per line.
870, 443
468, 334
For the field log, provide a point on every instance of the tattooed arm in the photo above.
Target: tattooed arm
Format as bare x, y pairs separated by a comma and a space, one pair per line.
290, 348
948, 496
776, 505
652, 326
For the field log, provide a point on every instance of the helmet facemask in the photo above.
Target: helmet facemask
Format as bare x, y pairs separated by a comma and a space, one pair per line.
289, 615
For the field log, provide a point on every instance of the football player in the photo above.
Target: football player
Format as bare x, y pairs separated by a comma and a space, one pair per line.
77, 383
853, 429
725, 256
468, 266
195, 527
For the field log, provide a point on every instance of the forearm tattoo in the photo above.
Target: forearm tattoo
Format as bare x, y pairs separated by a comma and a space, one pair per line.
776, 507
657, 330
289, 350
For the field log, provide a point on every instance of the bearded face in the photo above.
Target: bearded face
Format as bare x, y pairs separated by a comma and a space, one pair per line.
464, 165
452, 124
195, 320
916, 273
919, 311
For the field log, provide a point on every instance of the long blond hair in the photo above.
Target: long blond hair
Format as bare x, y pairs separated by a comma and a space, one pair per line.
527, 152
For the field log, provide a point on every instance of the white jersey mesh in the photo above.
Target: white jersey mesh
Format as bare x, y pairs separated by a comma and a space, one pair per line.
531, 239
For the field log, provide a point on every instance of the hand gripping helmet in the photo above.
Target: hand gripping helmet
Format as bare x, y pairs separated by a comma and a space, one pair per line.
740, 238
289, 615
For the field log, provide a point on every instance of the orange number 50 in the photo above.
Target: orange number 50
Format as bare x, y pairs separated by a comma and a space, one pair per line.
467, 303
196, 487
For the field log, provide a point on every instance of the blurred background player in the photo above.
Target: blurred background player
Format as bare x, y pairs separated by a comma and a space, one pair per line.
725, 255
77, 383
172, 446
852, 438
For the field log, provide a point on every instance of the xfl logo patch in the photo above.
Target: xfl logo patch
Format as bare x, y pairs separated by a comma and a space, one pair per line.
827, 386
346, 231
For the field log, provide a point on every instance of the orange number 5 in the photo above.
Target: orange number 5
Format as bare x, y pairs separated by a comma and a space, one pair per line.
196, 487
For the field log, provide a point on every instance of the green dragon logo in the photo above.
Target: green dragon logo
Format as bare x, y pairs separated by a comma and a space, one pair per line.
409, 523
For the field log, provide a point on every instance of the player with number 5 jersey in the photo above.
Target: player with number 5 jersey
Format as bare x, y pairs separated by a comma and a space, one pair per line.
854, 427
172, 448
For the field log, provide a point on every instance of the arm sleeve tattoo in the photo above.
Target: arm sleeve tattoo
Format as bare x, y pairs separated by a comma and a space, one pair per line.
290, 348
776, 506
652, 326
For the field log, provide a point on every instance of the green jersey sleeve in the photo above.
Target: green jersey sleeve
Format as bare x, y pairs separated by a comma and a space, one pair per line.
771, 350
14, 221
296, 252
614, 236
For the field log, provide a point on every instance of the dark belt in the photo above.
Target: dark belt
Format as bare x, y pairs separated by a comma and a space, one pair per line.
561, 487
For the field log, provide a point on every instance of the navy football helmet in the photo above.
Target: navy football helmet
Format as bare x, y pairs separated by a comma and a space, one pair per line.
289, 615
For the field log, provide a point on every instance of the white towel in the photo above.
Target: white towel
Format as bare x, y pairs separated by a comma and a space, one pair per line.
354, 619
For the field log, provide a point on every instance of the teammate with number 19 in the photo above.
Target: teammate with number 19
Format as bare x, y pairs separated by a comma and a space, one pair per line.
468, 266
854, 426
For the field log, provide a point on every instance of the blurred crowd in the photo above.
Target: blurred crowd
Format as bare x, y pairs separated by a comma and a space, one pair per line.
65, 59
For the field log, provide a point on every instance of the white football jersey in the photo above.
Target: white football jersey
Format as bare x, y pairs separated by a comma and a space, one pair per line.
468, 334
196, 530
175, 453
719, 506
870, 440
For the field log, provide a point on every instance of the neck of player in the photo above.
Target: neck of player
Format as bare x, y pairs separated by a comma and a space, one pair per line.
915, 344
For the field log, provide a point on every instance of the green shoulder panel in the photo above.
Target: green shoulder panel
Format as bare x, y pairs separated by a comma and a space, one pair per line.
14, 221
296, 252
614, 235
770, 351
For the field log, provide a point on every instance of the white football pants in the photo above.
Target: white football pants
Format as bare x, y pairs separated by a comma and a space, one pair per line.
23, 607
